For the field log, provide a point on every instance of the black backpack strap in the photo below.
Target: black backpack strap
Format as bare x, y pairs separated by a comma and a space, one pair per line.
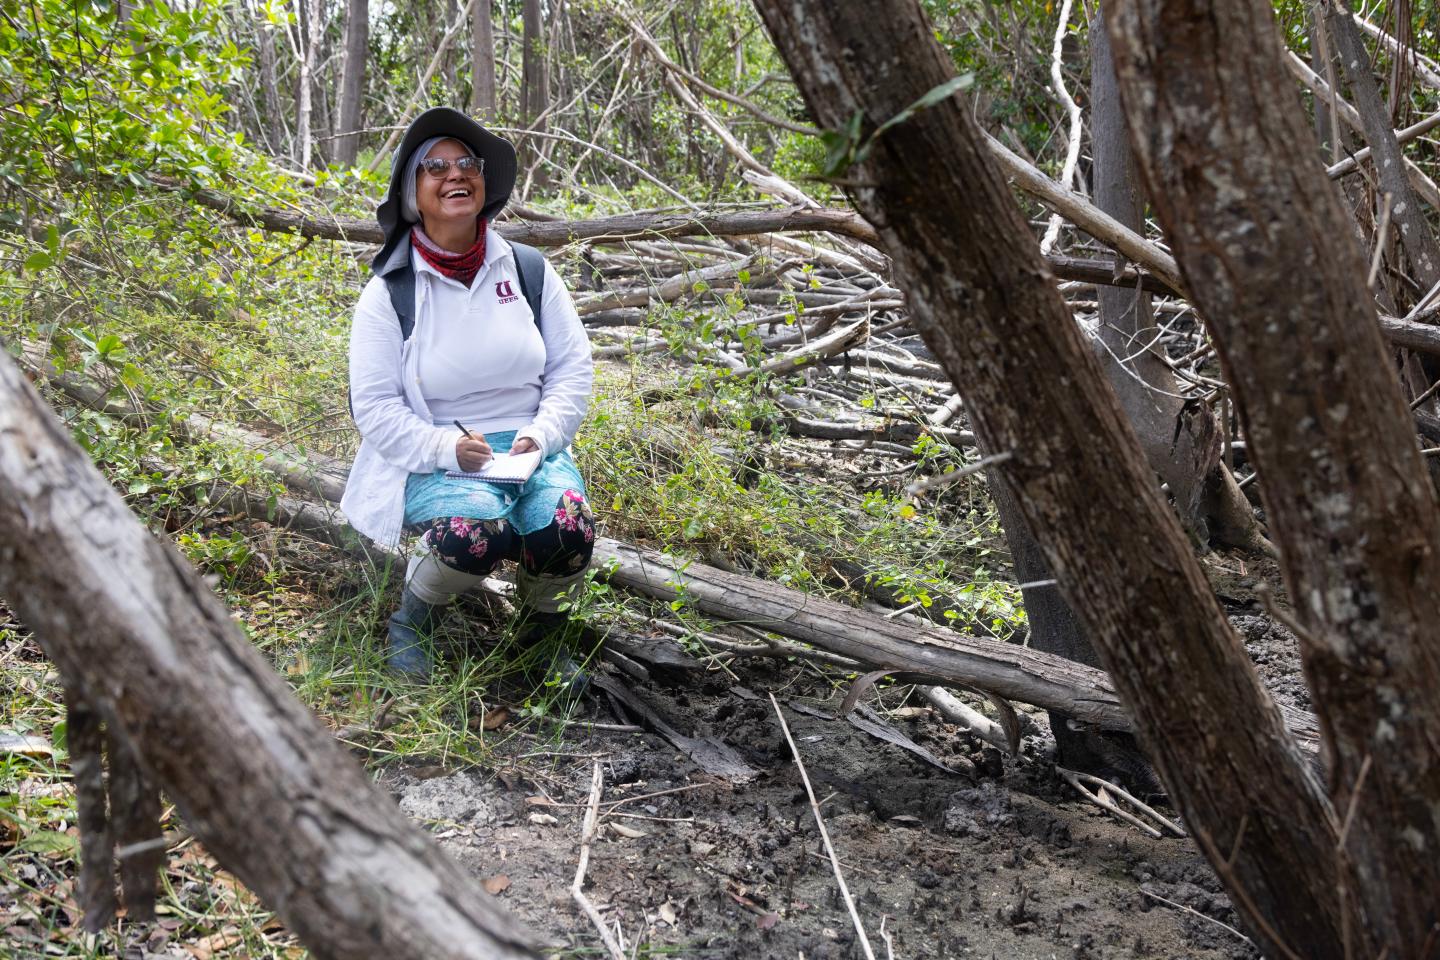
530, 265
401, 285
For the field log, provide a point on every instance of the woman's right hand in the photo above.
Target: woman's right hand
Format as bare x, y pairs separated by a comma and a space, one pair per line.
472, 454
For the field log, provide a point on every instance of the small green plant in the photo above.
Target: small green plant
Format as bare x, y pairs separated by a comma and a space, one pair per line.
594, 600
227, 556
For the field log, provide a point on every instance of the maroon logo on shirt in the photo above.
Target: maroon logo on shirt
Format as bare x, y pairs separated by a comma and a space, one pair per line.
504, 292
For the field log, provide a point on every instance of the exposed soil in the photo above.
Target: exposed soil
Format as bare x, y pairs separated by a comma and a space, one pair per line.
1003, 861
994, 857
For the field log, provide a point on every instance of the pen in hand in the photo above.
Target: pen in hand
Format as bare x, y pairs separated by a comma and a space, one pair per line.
471, 452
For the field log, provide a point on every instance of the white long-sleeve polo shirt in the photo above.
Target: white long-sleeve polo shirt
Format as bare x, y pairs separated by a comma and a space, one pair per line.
474, 355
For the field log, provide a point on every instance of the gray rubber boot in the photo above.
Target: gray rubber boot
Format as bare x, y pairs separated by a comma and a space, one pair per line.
564, 670
407, 651
542, 620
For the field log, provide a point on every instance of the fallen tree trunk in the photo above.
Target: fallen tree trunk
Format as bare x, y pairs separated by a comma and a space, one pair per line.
943, 656
260, 782
1410, 334
895, 431
652, 226
555, 233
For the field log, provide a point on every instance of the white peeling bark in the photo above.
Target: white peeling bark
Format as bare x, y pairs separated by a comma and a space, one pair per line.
256, 777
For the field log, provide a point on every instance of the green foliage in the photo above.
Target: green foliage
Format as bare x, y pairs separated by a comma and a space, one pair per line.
717, 494
1007, 48
224, 555
844, 148
92, 96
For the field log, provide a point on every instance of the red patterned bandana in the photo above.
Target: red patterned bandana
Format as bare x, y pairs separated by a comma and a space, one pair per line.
456, 266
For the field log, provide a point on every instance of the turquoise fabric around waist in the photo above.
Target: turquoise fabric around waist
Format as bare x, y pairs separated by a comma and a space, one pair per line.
528, 508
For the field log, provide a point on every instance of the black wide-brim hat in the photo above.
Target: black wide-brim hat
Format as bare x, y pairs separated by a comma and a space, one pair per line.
497, 152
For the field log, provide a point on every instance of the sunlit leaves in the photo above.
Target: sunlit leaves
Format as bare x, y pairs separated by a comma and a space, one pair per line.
95, 98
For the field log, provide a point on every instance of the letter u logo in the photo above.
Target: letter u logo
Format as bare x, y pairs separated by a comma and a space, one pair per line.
502, 289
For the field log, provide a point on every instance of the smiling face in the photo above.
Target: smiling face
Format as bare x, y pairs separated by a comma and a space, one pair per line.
452, 203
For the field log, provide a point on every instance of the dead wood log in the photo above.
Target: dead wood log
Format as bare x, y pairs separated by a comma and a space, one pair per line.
942, 656
919, 369
1103, 273
256, 777
1352, 163
84, 740
895, 431
135, 825
947, 658
1420, 337
671, 288
556, 233
1085, 214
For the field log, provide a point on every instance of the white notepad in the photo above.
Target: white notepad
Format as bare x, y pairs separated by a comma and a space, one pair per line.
504, 468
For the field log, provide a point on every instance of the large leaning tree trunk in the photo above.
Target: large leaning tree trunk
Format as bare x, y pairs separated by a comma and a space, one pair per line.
987, 306
1265, 248
1181, 440
142, 643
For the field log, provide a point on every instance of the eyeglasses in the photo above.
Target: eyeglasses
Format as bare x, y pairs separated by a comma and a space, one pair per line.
439, 167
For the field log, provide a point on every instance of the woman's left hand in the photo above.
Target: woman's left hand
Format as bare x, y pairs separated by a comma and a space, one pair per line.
523, 445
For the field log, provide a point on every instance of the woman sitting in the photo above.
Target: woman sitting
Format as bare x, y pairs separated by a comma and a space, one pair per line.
449, 366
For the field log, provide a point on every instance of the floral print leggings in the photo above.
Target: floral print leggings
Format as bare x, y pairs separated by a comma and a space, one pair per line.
478, 546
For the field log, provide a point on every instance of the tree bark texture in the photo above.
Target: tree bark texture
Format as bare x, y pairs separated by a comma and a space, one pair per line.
985, 304
259, 781
1005, 669
482, 64
84, 741
269, 98
135, 823
350, 115
307, 26
1266, 249
1416, 238
534, 93
1181, 440
1055, 629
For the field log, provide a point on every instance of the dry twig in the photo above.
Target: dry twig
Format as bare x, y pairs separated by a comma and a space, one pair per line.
824, 834
1101, 798
577, 889
1192, 910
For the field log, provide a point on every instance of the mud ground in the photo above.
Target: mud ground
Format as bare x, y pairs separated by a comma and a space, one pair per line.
1001, 860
